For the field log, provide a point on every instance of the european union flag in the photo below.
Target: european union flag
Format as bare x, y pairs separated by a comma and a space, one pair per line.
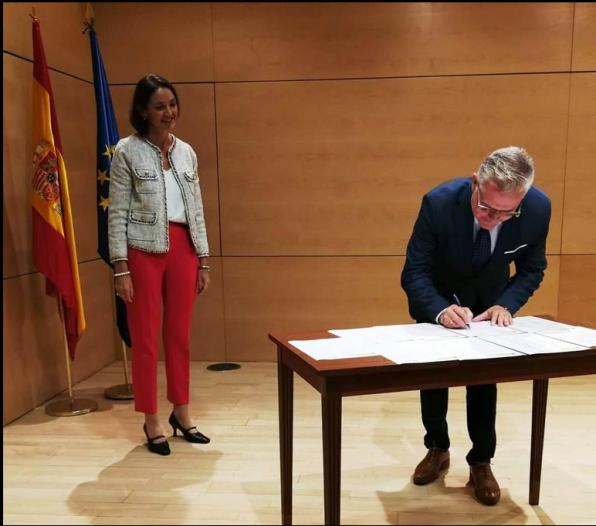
107, 138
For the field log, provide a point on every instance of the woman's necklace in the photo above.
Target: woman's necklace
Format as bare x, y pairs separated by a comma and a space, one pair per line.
165, 162
164, 154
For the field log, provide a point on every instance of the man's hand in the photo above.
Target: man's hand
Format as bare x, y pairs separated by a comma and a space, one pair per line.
497, 315
456, 317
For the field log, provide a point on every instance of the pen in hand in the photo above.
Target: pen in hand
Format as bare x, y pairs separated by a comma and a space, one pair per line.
458, 303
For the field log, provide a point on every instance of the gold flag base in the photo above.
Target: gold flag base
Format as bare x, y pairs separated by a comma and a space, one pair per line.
71, 407
119, 392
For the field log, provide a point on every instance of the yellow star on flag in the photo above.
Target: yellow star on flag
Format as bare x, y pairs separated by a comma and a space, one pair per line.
104, 203
108, 151
103, 176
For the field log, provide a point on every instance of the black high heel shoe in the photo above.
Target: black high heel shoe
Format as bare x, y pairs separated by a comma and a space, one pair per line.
197, 437
161, 448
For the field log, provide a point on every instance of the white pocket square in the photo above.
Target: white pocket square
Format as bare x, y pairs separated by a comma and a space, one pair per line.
515, 249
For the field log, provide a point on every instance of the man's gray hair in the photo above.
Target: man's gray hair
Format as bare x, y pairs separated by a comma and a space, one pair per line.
510, 169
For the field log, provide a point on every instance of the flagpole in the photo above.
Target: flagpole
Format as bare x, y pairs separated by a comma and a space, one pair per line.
122, 391
107, 134
54, 246
71, 406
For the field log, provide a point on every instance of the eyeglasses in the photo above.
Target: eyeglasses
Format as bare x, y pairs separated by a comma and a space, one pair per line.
493, 211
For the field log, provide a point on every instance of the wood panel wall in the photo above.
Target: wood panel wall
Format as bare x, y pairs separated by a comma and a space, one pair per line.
319, 127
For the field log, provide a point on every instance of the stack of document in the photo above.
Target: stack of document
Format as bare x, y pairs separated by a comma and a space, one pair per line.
426, 342
399, 333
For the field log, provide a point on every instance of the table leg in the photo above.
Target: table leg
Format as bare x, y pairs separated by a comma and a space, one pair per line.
331, 413
285, 385
539, 397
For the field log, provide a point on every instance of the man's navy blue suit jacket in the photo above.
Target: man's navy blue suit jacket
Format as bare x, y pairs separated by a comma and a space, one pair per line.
439, 254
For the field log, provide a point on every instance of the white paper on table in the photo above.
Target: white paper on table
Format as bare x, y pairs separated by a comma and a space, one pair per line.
396, 333
334, 348
530, 343
478, 349
484, 328
443, 350
416, 351
540, 325
360, 332
578, 335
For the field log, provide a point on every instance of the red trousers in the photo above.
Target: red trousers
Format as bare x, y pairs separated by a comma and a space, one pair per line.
171, 277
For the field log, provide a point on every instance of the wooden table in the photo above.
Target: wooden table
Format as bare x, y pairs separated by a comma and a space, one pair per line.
375, 374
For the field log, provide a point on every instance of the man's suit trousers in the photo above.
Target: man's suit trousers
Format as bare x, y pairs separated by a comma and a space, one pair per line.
481, 408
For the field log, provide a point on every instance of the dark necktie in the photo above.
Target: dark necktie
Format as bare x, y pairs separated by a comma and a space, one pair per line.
481, 251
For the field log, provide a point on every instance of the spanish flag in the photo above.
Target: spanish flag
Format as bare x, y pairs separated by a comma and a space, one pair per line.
54, 249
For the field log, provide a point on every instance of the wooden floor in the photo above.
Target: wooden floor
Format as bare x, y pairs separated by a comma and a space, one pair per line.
94, 469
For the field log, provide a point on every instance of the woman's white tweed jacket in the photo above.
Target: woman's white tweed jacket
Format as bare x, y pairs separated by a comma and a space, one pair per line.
138, 215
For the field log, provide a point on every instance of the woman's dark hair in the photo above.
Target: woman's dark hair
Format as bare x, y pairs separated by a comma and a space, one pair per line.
144, 90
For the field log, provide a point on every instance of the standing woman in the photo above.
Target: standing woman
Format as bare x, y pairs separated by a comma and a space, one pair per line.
158, 245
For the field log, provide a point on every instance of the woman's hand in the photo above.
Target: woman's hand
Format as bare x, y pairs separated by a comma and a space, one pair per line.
203, 281
123, 287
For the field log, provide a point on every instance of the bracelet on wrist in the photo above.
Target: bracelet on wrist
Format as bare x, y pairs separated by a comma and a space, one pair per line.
120, 274
206, 268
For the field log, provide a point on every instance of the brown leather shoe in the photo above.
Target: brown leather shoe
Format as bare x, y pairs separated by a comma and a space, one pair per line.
436, 460
486, 487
